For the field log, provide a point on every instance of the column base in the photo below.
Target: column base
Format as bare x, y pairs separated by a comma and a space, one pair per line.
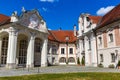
30, 66
87, 64
11, 66
44, 65
94, 64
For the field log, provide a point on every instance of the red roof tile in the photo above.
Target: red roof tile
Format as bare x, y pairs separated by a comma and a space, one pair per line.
60, 36
110, 17
95, 19
4, 19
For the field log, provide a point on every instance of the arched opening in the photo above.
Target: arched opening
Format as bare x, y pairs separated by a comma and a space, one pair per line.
37, 52
71, 60
62, 60
22, 50
4, 50
4, 39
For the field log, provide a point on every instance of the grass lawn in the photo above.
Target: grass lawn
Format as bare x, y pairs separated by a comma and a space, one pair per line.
67, 76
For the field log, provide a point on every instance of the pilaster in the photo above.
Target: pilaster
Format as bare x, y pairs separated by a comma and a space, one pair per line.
86, 51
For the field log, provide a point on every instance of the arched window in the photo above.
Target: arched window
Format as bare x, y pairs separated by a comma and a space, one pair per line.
62, 59
71, 59
37, 45
22, 52
4, 50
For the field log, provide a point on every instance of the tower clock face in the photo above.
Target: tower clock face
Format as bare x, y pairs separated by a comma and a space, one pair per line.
34, 22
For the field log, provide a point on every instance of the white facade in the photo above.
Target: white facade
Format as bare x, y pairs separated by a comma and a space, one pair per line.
87, 40
18, 41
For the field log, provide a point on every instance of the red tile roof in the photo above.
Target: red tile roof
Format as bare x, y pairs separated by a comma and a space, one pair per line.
95, 19
4, 19
60, 35
110, 17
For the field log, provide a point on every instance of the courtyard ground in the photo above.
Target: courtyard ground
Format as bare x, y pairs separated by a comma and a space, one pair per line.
54, 69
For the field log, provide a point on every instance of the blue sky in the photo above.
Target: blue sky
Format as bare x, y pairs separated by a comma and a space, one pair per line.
59, 13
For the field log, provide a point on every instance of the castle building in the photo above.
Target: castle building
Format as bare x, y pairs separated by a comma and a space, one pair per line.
108, 38
62, 47
23, 40
99, 39
87, 40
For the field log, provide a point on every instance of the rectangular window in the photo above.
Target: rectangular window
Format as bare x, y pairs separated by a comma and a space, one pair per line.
112, 57
54, 51
111, 37
101, 57
71, 50
62, 50
89, 44
100, 40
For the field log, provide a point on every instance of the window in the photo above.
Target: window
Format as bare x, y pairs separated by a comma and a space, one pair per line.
101, 57
110, 37
71, 50
37, 45
89, 44
22, 52
62, 50
112, 57
71, 59
62, 59
4, 50
100, 40
54, 49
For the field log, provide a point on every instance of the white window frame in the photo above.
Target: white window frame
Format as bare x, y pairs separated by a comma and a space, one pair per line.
64, 50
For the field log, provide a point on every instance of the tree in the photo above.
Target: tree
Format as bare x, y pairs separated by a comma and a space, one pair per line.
83, 60
78, 61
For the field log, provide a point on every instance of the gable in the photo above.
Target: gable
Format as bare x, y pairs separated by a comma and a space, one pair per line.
32, 19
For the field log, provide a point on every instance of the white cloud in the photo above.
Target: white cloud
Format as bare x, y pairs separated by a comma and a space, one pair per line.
49, 1
104, 10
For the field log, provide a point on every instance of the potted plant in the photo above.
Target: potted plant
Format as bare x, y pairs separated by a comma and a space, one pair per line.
118, 64
78, 61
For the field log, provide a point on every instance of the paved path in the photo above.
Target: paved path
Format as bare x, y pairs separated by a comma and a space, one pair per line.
53, 69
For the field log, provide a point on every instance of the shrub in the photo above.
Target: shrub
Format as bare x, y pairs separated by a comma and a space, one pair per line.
83, 61
78, 61
119, 63
111, 66
100, 65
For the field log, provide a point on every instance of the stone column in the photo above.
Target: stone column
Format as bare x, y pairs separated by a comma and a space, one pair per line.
94, 50
11, 53
30, 52
86, 51
44, 53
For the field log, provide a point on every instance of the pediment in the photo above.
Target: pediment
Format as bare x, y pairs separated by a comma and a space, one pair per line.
32, 19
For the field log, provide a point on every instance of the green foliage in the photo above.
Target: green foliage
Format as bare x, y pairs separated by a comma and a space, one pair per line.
111, 66
78, 61
67, 76
100, 65
83, 61
119, 63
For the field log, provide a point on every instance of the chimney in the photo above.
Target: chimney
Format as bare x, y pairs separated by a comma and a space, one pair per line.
75, 30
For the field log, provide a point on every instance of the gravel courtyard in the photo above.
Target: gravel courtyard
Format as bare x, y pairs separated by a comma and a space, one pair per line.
53, 69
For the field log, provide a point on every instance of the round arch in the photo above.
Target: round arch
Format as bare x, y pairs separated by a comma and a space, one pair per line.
62, 60
71, 60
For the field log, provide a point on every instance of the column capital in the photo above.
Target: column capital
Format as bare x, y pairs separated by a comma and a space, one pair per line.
13, 31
